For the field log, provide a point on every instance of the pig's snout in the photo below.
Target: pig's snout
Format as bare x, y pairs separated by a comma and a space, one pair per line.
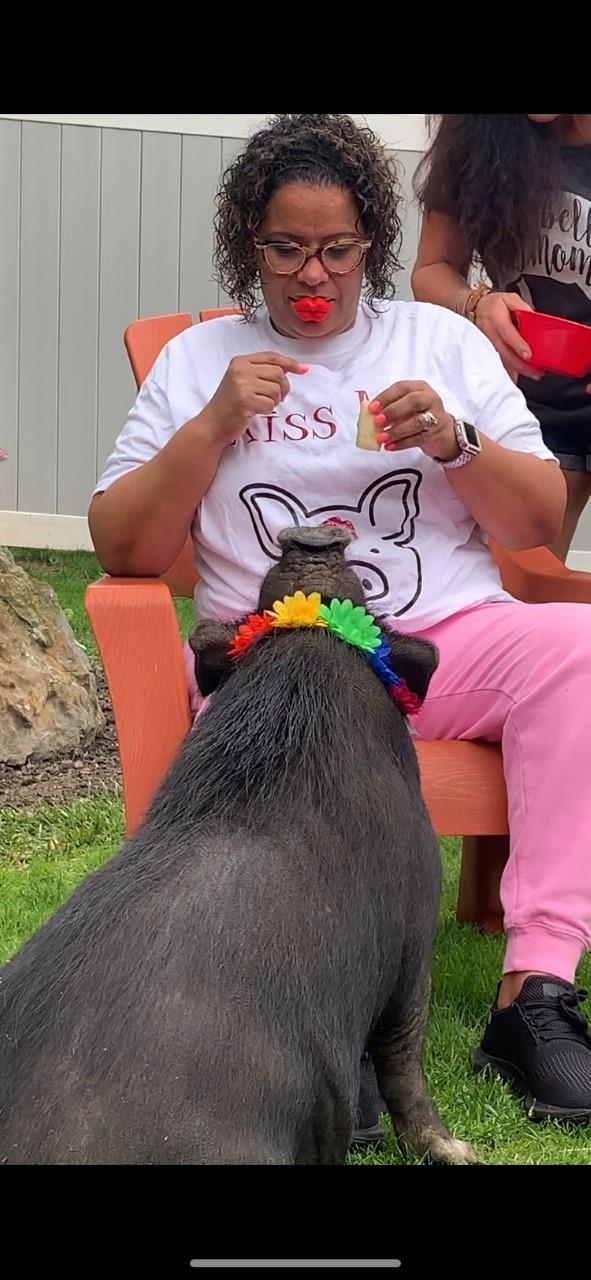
320, 538
312, 559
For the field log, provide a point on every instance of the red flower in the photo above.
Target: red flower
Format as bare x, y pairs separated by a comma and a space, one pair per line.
408, 701
258, 624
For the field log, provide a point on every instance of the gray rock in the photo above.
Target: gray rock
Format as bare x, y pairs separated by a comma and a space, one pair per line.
48, 694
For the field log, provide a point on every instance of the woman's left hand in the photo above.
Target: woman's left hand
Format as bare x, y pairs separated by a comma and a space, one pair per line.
412, 416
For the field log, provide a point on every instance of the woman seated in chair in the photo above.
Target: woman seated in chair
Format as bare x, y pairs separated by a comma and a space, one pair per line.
247, 424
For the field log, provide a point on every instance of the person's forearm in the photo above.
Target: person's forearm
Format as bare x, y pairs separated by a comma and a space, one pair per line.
139, 524
518, 499
441, 284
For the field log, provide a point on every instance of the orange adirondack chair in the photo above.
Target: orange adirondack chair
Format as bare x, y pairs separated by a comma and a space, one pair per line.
134, 623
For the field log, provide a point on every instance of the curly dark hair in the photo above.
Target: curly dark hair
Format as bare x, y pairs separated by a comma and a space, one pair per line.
323, 150
494, 175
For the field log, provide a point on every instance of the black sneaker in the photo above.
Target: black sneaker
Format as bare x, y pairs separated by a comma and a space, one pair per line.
370, 1130
541, 1045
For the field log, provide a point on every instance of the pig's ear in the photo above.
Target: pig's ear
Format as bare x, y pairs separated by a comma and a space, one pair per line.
414, 660
210, 642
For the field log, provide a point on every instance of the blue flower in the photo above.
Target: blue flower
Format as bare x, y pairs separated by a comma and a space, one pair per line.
380, 661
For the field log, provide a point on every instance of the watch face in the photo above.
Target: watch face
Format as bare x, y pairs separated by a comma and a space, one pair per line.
471, 434
467, 437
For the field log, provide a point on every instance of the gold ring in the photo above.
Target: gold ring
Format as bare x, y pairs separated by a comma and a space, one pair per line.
428, 420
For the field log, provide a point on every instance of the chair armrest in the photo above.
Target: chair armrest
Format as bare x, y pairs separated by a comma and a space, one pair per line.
136, 631
537, 576
463, 787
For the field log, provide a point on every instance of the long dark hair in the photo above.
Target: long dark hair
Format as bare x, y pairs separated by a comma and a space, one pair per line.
493, 174
324, 150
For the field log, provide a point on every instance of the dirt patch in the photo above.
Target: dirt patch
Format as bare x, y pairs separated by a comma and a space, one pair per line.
89, 771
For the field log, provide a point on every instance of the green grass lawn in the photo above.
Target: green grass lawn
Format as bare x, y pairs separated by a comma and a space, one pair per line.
45, 854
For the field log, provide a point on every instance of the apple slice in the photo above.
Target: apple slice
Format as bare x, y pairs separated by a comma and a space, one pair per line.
366, 429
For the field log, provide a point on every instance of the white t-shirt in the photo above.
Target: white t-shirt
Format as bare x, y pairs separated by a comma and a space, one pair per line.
418, 551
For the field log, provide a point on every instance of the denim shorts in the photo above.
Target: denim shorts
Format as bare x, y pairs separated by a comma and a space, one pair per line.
570, 445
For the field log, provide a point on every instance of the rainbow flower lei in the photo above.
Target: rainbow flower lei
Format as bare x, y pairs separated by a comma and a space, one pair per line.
343, 619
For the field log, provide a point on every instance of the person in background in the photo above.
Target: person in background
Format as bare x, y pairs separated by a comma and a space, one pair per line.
511, 194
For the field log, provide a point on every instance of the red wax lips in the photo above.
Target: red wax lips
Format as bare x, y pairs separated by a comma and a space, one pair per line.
342, 524
312, 310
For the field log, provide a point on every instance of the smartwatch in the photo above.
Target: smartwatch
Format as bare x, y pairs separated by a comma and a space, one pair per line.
469, 445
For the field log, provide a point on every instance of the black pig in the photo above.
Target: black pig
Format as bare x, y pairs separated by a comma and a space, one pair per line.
206, 996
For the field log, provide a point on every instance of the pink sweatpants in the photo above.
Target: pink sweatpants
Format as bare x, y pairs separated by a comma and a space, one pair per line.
520, 674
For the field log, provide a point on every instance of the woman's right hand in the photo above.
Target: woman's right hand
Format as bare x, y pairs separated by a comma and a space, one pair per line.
251, 385
493, 317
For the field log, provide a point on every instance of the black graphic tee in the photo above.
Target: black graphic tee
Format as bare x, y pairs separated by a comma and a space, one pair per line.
557, 280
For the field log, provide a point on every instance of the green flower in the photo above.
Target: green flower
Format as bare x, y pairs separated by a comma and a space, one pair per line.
351, 623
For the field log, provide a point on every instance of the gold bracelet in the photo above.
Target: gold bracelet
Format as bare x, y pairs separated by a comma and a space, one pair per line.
462, 300
474, 297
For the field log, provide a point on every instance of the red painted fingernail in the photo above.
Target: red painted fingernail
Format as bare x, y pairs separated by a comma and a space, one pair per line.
390, 448
380, 419
374, 407
383, 438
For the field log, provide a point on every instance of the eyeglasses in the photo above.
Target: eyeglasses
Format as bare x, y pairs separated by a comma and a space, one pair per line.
338, 258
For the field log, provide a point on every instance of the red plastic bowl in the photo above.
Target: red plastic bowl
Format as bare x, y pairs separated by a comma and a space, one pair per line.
558, 346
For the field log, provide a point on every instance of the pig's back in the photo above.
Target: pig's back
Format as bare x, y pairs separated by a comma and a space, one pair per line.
234, 950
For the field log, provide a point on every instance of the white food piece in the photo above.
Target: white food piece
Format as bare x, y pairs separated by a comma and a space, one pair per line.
366, 429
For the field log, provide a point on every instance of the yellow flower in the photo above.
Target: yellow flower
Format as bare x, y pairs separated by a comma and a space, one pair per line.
298, 611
